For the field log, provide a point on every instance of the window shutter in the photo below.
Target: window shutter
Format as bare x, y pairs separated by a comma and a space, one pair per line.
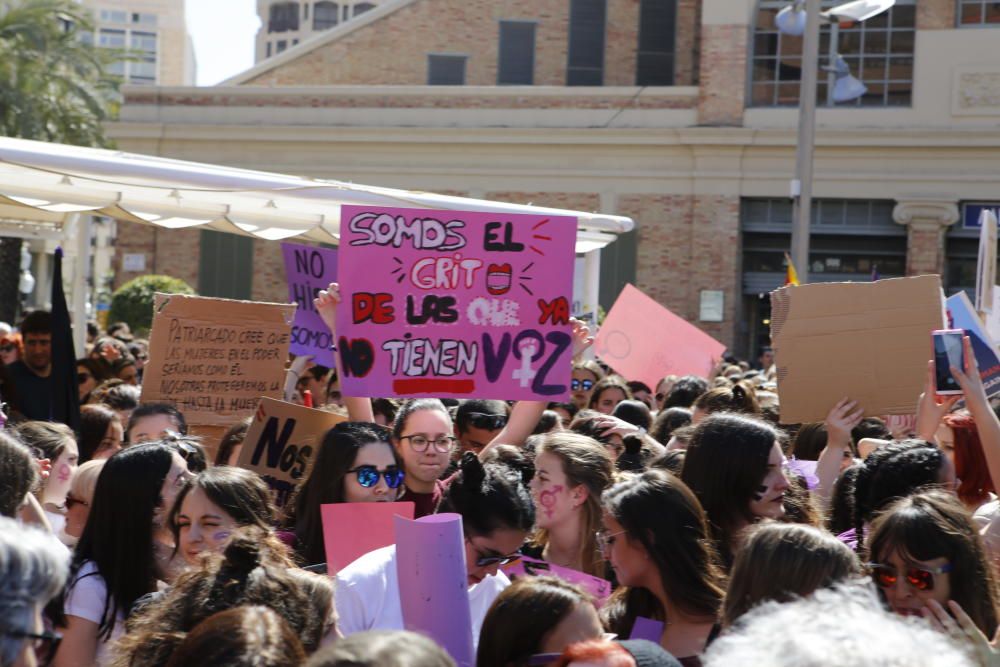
517, 53
586, 42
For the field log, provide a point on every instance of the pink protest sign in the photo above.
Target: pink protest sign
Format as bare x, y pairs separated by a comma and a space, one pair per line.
309, 269
599, 589
350, 530
433, 583
455, 304
642, 340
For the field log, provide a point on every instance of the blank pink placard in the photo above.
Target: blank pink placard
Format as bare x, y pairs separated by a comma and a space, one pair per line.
350, 530
642, 340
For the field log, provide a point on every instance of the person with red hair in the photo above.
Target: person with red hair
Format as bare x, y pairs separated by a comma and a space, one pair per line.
958, 437
604, 653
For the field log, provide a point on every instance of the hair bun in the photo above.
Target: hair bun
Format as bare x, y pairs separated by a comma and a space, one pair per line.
473, 472
242, 555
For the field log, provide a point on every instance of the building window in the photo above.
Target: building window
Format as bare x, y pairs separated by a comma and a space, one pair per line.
879, 52
268, 50
305, 12
586, 42
362, 7
143, 71
283, 17
850, 240
225, 267
141, 18
517, 53
962, 249
113, 16
977, 13
280, 46
445, 70
657, 37
325, 15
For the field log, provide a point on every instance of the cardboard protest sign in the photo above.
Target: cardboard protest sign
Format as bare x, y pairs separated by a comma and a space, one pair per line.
961, 315
599, 589
214, 358
868, 341
433, 584
281, 441
986, 267
350, 530
308, 270
642, 340
457, 304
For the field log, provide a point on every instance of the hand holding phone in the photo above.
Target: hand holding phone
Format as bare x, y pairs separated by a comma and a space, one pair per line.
949, 350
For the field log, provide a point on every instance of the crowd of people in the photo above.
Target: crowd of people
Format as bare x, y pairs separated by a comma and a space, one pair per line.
725, 537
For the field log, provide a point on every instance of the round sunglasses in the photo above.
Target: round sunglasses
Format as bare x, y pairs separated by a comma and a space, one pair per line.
576, 385
921, 578
368, 476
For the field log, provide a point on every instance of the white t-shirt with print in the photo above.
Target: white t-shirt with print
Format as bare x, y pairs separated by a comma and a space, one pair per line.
368, 595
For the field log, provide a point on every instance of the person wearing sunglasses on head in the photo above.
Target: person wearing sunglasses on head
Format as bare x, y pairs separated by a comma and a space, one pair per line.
33, 569
497, 514
925, 549
356, 463
478, 421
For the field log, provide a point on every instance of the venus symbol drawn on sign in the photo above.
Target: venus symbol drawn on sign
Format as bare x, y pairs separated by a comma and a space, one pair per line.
617, 345
525, 374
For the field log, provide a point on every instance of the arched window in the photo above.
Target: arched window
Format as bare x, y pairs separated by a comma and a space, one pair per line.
325, 15
283, 16
362, 7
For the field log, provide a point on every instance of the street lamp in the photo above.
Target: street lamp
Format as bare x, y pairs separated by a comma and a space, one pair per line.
803, 18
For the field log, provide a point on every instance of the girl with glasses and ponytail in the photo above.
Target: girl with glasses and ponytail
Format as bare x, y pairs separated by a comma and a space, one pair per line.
497, 514
356, 463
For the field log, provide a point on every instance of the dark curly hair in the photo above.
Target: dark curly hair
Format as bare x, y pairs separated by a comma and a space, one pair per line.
489, 497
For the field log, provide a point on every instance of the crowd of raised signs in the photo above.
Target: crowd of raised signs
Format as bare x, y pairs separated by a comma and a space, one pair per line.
666, 525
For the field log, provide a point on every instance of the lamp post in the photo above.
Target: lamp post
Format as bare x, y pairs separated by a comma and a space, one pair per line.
803, 17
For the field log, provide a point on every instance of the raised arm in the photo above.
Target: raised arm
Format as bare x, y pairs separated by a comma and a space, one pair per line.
844, 416
359, 409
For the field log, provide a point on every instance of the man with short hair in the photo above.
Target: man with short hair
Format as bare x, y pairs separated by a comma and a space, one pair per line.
478, 421
32, 374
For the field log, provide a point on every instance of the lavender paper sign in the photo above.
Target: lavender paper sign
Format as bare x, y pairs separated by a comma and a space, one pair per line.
433, 584
308, 270
647, 628
455, 304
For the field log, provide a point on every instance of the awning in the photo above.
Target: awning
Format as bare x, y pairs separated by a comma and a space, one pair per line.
43, 182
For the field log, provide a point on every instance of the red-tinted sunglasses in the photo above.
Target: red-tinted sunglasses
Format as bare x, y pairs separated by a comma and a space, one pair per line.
921, 578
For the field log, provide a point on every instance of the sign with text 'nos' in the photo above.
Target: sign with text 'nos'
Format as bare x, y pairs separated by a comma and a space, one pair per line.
455, 304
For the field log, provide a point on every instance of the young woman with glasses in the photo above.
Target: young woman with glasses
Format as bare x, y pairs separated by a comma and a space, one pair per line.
356, 463
924, 549
586, 375
656, 538
497, 514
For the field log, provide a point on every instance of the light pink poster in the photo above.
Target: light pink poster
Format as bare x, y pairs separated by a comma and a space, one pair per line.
455, 304
642, 340
599, 589
350, 530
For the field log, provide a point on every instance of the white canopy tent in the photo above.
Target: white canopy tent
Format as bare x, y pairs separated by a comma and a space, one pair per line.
45, 187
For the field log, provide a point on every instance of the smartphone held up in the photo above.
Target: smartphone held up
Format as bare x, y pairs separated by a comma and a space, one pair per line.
949, 351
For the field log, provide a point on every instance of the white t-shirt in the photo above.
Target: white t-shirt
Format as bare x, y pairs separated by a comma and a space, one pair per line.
85, 599
368, 595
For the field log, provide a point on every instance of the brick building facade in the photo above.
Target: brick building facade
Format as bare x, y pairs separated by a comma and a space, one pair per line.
700, 165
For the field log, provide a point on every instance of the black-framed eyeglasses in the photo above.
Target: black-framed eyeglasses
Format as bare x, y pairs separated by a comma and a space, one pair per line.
576, 385
83, 377
43, 643
71, 501
486, 561
921, 578
368, 476
486, 421
442, 444
7, 348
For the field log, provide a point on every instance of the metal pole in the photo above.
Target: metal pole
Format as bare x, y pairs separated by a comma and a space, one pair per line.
802, 186
831, 60
81, 223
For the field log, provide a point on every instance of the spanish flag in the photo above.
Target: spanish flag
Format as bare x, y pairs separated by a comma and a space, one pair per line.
791, 275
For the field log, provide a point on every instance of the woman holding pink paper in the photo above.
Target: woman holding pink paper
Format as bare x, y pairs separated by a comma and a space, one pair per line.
497, 514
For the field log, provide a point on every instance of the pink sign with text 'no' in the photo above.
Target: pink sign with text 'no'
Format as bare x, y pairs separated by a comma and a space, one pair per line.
455, 304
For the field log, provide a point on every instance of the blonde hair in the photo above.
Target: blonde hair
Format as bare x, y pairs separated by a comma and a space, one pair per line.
85, 480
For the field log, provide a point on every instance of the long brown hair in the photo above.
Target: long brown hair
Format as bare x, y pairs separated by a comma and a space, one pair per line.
585, 461
664, 516
934, 524
783, 561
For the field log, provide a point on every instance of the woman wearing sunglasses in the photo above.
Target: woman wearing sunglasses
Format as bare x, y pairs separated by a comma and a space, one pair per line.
586, 374
656, 538
355, 464
497, 514
926, 548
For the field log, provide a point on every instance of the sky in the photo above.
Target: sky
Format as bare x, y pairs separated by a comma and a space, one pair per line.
223, 32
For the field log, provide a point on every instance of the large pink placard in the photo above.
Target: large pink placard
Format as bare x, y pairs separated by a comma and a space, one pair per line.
642, 340
455, 304
350, 530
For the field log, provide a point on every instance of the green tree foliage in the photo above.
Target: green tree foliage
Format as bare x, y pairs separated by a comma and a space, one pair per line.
132, 303
53, 80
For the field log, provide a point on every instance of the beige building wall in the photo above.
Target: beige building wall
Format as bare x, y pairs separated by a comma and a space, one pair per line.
676, 159
276, 36
173, 62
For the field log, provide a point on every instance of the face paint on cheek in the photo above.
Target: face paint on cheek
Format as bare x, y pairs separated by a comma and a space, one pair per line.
219, 537
547, 499
759, 495
62, 474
